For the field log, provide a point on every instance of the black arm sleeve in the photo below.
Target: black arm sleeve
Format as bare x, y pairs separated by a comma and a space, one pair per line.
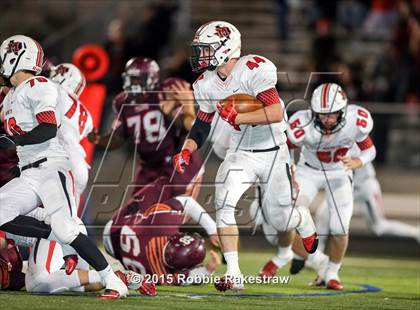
41, 133
199, 132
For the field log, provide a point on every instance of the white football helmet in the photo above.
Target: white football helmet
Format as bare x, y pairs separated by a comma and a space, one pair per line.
214, 44
20, 53
329, 98
69, 77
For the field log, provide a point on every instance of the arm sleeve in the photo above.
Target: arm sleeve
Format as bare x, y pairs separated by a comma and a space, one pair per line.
367, 150
41, 133
201, 127
198, 214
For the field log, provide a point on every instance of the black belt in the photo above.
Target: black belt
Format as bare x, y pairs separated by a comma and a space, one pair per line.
34, 164
275, 148
312, 167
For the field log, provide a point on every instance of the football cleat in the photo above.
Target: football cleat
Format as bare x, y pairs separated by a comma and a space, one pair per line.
70, 262
318, 282
269, 270
223, 284
122, 276
297, 265
114, 282
334, 284
229, 282
109, 294
310, 243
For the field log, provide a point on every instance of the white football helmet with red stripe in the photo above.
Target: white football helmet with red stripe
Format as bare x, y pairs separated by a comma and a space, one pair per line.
214, 44
20, 53
69, 77
326, 99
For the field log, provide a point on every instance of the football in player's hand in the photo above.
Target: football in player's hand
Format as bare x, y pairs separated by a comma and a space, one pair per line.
243, 103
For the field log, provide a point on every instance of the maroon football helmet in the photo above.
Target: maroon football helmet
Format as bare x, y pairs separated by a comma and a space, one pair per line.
141, 74
184, 251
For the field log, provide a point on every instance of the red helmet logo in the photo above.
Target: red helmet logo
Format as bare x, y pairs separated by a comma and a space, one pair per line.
222, 32
14, 47
61, 70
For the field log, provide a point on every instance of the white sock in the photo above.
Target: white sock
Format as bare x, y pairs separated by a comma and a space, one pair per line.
104, 273
317, 258
284, 255
94, 277
332, 271
232, 261
295, 256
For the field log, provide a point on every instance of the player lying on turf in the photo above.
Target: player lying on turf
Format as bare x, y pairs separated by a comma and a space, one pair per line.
258, 150
32, 117
142, 117
147, 240
325, 134
44, 273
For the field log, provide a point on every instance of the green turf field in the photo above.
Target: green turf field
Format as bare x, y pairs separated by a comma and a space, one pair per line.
399, 280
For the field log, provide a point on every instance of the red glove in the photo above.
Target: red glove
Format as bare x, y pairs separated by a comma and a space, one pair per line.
148, 288
70, 261
228, 114
181, 160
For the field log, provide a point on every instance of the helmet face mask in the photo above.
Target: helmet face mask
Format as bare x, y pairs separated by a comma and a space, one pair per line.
339, 123
203, 56
135, 83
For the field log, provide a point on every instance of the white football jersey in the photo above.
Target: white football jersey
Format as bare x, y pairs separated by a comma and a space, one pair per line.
21, 105
322, 151
251, 75
76, 123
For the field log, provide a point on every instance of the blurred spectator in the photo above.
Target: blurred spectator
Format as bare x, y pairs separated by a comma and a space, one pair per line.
119, 49
156, 30
281, 10
178, 64
324, 47
351, 13
381, 18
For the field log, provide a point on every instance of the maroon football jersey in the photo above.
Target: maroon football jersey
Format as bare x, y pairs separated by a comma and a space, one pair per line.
139, 239
139, 117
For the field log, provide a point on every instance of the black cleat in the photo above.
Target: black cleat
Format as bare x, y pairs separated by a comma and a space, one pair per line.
297, 265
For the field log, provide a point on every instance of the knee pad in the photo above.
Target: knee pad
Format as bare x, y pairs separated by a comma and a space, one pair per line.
65, 228
225, 215
340, 224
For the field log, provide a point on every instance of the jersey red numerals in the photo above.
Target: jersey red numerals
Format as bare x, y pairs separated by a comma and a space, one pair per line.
362, 121
327, 157
14, 128
82, 118
297, 133
73, 108
254, 64
39, 79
